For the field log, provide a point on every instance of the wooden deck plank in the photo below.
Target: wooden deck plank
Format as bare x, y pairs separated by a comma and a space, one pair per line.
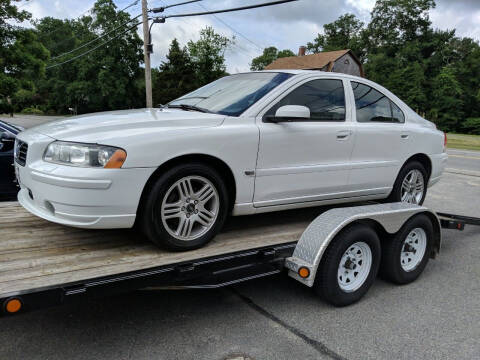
35, 253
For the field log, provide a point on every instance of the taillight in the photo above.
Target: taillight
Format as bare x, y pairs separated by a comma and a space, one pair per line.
445, 139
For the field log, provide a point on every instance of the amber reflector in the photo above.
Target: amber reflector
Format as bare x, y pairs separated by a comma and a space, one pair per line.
13, 306
117, 160
304, 272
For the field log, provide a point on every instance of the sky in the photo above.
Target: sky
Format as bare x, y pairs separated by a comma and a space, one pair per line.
285, 26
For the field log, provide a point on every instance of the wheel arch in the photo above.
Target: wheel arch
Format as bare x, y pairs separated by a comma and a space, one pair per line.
224, 171
383, 234
422, 159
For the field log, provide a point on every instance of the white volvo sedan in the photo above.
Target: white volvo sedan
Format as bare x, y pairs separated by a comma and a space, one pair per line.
244, 144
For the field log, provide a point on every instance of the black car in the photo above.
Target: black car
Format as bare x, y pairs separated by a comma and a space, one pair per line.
8, 185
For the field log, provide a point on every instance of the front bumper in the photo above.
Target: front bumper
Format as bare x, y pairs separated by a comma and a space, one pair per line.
93, 198
105, 200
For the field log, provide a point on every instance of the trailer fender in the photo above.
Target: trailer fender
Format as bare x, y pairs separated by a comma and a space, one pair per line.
320, 233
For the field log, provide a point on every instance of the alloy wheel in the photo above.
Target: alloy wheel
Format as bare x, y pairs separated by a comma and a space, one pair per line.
413, 187
190, 208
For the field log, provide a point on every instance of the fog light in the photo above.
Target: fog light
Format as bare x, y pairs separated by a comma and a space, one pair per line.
304, 272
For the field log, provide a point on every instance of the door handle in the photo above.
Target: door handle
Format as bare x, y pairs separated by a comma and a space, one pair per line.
344, 134
404, 136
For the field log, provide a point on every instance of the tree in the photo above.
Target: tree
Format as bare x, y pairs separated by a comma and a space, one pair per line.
343, 33
175, 77
395, 22
447, 101
22, 58
208, 55
269, 55
102, 80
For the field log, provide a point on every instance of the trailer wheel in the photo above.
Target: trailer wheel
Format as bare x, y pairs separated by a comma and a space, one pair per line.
406, 254
349, 266
186, 207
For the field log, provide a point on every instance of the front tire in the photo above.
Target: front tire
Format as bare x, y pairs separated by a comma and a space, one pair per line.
406, 254
186, 207
349, 266
410, 185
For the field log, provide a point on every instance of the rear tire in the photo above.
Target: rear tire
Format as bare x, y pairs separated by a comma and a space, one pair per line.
406, 254
410, 185
185, 208
349, 266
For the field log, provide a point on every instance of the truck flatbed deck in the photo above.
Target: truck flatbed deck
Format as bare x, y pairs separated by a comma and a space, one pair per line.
45, 264
37, 254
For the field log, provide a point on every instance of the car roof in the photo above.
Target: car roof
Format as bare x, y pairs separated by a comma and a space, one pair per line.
308, 72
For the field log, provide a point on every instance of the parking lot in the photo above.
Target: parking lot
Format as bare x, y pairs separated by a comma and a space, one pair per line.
437, 317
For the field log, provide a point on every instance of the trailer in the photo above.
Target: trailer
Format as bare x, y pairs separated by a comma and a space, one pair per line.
44, 264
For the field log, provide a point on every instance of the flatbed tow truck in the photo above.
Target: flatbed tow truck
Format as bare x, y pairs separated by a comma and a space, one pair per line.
44, 264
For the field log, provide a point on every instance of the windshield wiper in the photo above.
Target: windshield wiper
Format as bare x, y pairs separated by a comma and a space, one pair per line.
190, 107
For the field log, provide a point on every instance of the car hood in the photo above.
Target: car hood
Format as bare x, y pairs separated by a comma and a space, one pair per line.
105, 126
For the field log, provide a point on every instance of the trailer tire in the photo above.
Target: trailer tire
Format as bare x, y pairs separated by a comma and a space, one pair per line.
176, 198
331, 284
403, 267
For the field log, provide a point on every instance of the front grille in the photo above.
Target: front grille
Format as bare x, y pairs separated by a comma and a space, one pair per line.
21, 149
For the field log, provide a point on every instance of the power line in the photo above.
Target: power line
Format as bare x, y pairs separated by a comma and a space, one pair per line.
132, 4
163, 8
227, 10
231, 28
96, 47
97, 38
81, 15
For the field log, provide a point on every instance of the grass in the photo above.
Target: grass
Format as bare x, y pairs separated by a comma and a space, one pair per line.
464, 142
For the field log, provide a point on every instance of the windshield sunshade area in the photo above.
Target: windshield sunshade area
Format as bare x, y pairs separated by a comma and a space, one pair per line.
232, 95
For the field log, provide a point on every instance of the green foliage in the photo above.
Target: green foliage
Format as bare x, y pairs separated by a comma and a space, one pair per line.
472, 126
22, 56
103, 80
190, 67
208, 55
447, 101
175, 77
343, 33
269, 55
395, 22
32, 111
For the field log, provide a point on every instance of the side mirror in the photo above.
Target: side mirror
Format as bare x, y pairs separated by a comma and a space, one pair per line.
290, 113
7, 141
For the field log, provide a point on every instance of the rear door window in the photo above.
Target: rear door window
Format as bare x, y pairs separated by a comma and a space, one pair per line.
373, 106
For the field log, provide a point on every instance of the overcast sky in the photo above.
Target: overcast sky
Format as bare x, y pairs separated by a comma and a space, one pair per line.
285, 26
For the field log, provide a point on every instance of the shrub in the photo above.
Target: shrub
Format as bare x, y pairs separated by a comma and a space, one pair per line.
472, 126
32, 111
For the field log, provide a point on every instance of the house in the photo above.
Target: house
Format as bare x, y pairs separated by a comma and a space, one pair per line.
341, 61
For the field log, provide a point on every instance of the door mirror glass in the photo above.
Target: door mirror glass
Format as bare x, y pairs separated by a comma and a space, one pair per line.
290, 113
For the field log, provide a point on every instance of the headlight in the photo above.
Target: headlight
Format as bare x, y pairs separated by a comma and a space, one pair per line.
85, 155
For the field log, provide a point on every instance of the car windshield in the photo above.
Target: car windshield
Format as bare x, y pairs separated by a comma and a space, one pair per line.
231, 95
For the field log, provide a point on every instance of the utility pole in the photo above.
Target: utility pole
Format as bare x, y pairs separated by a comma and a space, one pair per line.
146, 51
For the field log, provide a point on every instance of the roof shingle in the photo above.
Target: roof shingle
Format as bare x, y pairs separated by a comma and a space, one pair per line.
314, 61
